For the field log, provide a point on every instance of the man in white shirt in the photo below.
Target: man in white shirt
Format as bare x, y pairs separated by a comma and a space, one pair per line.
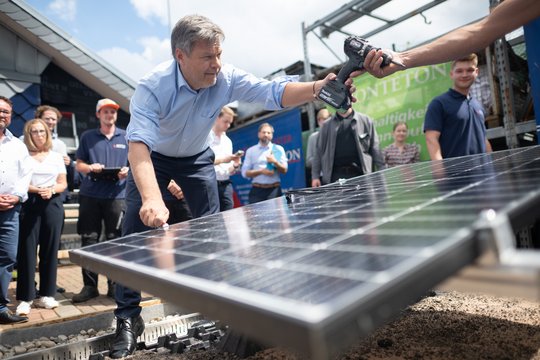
14, 181
52, 117
226, 163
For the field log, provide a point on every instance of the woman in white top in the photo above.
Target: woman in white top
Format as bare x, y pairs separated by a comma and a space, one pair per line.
41, 220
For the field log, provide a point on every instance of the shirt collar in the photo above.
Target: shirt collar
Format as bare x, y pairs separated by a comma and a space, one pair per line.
180, 80
8, 136
116, 131
456, 94
264, 147
350, 116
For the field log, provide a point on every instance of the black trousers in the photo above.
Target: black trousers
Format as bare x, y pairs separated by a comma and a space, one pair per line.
197, 178
259, 194
225, 191
41, 224
178, 211
93, 212
345, 172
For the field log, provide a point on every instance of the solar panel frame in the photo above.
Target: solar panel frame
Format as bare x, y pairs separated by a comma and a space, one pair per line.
305, 273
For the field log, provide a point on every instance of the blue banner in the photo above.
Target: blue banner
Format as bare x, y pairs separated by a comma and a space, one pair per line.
287, 133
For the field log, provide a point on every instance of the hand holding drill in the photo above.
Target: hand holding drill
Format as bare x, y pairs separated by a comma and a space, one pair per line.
335, 92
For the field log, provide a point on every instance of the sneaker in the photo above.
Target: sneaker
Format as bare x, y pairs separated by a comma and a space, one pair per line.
23, 308
87, 293
46, 302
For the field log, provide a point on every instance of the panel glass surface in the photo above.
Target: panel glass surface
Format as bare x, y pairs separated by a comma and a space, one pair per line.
333, 246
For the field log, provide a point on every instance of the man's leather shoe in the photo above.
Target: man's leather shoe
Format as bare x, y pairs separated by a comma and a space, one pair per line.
125, 339
111, 290
7, 317
87, 293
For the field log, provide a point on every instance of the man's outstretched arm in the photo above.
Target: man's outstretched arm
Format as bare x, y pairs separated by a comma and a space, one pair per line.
507, 16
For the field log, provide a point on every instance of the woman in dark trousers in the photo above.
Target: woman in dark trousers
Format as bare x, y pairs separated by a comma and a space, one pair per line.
41, 220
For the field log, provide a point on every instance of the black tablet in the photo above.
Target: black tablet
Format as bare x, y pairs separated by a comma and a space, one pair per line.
108, 173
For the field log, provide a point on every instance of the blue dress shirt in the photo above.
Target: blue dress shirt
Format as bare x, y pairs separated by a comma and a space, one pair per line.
174, 120
255, 159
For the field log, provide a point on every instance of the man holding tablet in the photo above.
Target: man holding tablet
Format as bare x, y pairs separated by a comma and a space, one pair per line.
102, 159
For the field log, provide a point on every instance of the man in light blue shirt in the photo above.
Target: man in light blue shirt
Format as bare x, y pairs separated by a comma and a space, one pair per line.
263, 163
172, 112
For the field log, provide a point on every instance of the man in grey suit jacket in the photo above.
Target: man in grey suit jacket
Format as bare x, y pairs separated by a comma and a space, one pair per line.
347, 147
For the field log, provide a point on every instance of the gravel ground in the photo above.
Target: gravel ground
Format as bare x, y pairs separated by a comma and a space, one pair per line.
446, 326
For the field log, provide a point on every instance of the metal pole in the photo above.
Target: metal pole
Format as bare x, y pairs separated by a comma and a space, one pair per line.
507, 94
308, 76
169, 15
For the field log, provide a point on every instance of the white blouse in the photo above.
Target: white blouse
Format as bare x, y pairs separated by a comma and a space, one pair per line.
46, 171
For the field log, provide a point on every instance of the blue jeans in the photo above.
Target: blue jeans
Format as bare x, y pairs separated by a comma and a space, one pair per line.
9, 238
196, 177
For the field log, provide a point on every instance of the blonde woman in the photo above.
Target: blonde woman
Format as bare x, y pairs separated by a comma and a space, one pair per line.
41, 220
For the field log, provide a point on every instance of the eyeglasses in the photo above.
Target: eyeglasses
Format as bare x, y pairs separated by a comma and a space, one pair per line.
5, 112
34, 132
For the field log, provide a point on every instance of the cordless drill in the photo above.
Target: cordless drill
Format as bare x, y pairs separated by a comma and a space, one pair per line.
335, 93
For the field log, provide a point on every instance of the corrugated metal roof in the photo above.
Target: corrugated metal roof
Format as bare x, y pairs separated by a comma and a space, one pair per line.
63, 50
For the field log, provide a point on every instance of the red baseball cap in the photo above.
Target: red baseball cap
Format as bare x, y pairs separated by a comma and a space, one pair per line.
106, 103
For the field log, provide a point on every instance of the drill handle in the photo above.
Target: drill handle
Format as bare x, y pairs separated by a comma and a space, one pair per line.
347, 69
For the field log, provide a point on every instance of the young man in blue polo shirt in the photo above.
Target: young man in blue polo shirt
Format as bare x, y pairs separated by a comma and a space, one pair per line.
102, 192
454, 124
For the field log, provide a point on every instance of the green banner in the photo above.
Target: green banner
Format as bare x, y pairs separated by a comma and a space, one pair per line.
403, 96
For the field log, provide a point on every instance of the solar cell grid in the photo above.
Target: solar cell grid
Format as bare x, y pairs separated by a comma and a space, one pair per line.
340, 259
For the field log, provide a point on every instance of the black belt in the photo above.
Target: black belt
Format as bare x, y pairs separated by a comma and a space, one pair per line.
266, 186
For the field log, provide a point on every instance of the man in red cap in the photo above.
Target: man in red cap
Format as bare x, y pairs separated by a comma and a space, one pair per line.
102, 159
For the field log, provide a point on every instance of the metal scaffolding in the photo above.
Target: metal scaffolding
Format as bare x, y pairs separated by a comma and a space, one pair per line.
354, 10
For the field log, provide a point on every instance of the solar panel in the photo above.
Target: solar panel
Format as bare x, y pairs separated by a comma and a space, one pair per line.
319, 268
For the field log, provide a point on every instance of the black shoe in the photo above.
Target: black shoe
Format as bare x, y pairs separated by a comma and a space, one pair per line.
7, 317
111, 290
125, 339
60, 290
87, 293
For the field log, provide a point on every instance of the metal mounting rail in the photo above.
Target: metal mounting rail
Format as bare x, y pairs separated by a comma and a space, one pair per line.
82, 350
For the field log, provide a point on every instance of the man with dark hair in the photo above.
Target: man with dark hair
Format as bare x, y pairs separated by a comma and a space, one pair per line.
52, 117
14, 181
172, 112
226, 163
454, 124
263, 163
